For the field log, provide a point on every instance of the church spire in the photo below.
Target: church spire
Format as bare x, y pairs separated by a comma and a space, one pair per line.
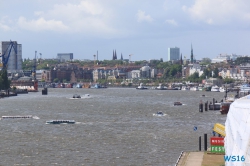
115, 55
192, 55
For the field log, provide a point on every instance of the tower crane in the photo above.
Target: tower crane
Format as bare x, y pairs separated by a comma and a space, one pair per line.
34, 67
6, 54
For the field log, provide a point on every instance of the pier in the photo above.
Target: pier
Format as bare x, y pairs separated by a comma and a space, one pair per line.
200, 158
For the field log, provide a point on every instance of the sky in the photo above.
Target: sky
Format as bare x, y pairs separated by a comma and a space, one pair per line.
144, 29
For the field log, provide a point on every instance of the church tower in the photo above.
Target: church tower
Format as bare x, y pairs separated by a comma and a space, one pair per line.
192, 55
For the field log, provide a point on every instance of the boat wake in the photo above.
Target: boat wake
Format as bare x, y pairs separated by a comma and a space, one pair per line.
35, 117
86, 96
159, 115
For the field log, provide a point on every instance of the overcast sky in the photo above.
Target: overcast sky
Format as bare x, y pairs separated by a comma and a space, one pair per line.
144, 28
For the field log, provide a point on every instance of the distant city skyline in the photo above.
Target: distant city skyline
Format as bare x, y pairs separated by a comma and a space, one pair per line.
143, 28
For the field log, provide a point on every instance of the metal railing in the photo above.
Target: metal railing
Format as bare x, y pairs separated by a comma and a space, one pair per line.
179, 158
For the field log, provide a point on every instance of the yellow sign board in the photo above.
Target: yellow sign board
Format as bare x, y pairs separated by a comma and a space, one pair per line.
220, 129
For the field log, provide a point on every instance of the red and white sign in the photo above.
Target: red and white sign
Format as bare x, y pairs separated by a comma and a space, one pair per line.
217, 141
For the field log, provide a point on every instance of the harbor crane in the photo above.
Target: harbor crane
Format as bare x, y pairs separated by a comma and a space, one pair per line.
35, 81
6, 54
34, 67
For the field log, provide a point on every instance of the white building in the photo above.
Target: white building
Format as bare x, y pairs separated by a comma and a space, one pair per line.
224, 57
195, 68
15, 55
135, 74
173, 53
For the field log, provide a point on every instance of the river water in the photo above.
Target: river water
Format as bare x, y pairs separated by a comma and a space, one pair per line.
115, 126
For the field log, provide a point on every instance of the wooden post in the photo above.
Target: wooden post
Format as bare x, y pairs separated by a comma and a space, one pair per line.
206, 106
201, 107
213, 104
205, 142
200, 143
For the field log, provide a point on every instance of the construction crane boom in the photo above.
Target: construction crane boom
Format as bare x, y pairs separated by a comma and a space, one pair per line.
6, 54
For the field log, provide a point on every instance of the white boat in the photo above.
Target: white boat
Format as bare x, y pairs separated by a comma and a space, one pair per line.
161, 87
194, 88
185, 88
222, 89
79, 86
200, 88
215, 88
141, 87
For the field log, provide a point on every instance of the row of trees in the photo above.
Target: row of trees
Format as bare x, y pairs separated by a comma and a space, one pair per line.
4, 82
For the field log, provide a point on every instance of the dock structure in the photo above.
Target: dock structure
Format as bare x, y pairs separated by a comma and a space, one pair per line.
191, 159
199, 159
17, 117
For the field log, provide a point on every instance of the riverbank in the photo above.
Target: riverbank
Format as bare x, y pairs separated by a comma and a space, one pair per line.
7, 93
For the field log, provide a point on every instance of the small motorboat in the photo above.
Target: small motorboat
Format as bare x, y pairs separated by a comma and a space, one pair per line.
177, 103
159, 113
76, 96
141, 87
161, 87
60, 121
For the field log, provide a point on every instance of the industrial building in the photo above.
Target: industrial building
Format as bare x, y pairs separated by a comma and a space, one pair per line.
63, 57
173, 53
11, 52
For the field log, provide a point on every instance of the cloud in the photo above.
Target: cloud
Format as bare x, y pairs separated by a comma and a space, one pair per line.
4, 27
141, 16
4, 21
41, 24
219, 12
85, 17
172, 22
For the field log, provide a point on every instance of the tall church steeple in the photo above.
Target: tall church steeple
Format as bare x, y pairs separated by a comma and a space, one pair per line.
113, 55
192, 55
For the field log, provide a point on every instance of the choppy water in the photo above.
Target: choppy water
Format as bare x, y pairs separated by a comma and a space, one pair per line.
115, 126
